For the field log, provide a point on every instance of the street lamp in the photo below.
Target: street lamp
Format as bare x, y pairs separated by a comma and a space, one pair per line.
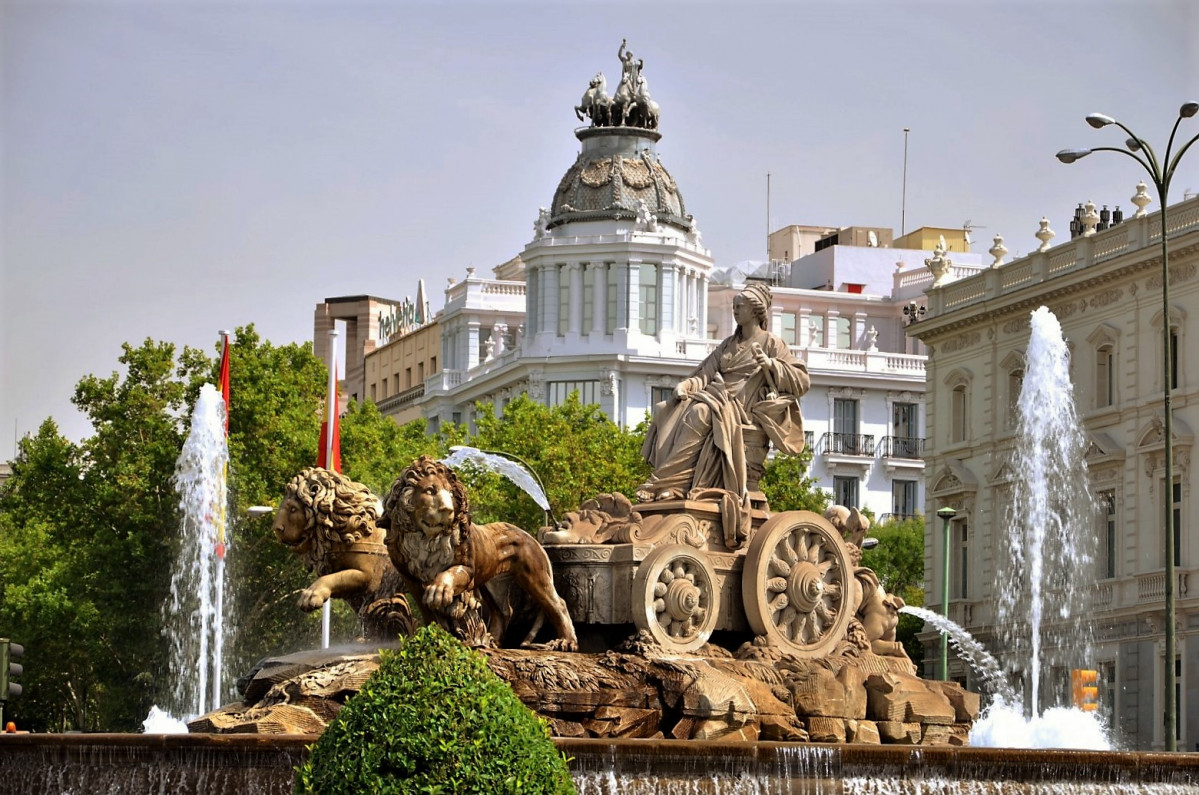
1161, 174
946, 514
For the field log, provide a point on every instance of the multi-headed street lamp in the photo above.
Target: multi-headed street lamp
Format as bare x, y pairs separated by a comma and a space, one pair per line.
1161, 172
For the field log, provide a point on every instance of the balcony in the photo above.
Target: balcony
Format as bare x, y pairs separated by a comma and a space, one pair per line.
852, 444
391, 405
902, 447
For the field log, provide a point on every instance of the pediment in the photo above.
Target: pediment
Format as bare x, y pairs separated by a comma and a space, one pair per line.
954, 477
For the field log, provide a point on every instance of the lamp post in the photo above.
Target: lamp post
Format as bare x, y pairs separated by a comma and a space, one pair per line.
946, 514
1161, 174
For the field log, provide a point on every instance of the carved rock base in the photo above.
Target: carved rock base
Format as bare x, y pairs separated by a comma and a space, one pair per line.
645, 694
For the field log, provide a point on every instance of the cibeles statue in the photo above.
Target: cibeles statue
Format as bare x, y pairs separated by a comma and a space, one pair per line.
716, 430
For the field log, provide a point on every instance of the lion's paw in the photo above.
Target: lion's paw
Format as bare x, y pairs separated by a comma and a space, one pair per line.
313, 598
563, 644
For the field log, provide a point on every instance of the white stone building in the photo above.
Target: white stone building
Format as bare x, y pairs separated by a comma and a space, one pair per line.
1106, 291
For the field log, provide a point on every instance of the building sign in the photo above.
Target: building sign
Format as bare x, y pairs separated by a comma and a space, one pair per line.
408, 316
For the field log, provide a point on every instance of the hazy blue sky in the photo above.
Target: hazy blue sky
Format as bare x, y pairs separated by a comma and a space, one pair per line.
170, 169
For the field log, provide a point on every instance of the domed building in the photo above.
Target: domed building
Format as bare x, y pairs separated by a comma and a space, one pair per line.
609, 297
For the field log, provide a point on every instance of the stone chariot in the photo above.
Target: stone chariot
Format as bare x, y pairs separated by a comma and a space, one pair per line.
667, 568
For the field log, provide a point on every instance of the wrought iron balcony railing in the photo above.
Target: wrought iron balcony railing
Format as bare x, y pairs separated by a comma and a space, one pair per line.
847, 444
902, 447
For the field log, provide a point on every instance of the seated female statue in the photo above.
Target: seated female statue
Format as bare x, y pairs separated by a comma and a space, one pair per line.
716, 430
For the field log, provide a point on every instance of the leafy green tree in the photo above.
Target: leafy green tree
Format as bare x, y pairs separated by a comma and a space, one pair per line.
788, 487
434, 719
574, 449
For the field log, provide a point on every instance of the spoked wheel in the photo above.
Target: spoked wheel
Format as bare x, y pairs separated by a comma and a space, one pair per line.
674, 597
797, 583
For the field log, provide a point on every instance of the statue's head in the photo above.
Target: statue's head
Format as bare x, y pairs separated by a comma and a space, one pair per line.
758, 296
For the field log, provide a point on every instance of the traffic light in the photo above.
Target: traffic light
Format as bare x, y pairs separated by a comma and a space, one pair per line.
8, 669
1084, 685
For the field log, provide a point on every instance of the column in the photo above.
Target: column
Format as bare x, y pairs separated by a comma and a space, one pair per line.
701, 305
622, 296
859, 331
599, 298
575, 272
632, 296
803, 334
472, 344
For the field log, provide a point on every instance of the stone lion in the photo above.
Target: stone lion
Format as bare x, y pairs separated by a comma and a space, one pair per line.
330, 521
451, 562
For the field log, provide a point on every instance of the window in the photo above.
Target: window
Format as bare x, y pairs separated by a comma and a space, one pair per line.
816, 331
1107, 533
1173, 359
407, 378
563, 301
647, 299
1105, 377
957, 414
903, 498
420, 372
395, 384
844, 333
588, 298
961, 536
433, 365
558, 391
613, 294
660, 394
845, 428
1015, 385
1176, 505
372, 393
906, 443
788, 328
845, 491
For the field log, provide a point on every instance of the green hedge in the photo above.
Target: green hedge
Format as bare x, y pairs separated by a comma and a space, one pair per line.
434, 719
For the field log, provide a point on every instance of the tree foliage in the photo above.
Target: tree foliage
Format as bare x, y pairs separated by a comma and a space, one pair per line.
788, 487
434, 719
574, 449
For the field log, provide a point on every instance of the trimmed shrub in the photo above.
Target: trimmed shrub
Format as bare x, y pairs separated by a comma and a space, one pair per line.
434, 719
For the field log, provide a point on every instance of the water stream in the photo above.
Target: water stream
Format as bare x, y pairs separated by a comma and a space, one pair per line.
971, 651
195, 621
510, 469
1049, 544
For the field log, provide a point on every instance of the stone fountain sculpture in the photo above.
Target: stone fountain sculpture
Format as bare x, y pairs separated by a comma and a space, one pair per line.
699, 613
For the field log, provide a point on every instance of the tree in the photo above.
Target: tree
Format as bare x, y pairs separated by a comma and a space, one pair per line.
574, 448
788, 487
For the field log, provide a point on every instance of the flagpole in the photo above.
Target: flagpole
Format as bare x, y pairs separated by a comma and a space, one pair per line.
218, 635
330, 418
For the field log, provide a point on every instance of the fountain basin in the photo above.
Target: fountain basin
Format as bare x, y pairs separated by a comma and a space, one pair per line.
265, 765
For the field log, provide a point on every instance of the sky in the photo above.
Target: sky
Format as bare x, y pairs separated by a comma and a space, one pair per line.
169, 169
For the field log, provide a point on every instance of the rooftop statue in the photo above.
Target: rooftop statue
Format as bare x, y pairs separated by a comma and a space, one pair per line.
716, 430
630, 107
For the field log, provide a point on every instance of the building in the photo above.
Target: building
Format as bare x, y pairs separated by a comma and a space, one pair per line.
1105, 288
843, 308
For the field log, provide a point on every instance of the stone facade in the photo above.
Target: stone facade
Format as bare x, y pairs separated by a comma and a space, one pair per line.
1105, 290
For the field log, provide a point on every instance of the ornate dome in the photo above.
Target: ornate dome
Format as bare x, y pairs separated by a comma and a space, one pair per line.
617, 170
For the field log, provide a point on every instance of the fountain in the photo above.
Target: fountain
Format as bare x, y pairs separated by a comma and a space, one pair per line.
195, 621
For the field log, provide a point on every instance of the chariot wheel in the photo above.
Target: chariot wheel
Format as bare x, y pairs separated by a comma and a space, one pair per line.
674, 597
797, 583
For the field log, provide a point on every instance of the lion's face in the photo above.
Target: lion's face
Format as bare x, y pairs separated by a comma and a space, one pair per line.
430, 503
293, 525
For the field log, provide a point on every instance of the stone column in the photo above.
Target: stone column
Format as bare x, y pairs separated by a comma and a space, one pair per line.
859, 331
632, 296
803, 334
599, 298
701, 305
575, 271
472, 344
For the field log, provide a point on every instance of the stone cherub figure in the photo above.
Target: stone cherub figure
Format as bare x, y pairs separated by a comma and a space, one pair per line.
877, 610
716, 430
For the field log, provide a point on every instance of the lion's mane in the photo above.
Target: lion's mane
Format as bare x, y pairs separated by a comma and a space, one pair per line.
337, 511
396, 517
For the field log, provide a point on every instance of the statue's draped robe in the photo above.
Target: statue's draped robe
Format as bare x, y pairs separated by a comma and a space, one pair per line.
698, 442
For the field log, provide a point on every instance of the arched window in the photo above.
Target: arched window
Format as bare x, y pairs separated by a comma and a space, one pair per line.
1105, 376
958, 382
